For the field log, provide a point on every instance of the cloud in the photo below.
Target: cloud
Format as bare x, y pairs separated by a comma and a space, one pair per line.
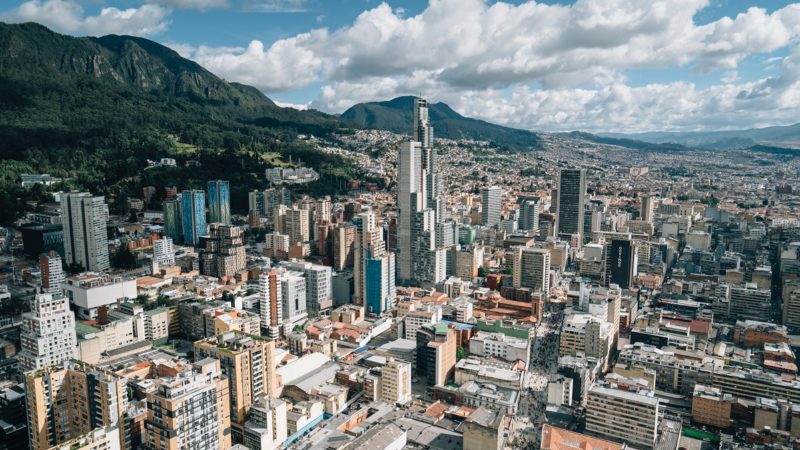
68, 17
201, 5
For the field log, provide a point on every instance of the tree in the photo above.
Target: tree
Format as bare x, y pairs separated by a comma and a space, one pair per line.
461, 353
123, 258
482, 272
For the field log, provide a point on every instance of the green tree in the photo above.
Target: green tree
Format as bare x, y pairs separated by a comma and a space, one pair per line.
461, 353
482, 272
123, 258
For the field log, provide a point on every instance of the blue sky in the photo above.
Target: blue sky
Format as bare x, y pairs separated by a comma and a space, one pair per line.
598, 65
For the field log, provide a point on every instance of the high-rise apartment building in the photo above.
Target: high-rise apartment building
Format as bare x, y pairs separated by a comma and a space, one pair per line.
219, 202
491, 205
193, 215
222, 252
531, 268
189, 410
293, 222
164, 251
173, 222
420, 206
293, 291
52, 273
373, 267
85, 238
344, 237
65, 403
48, 333
319, 284
249, 363
267, 426
571, 196
270, 304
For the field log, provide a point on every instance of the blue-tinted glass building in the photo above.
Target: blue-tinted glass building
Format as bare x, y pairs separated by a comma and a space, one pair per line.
194, 216
219, 202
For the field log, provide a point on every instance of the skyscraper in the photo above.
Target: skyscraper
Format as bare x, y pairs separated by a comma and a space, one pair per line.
491, 204
194, 216
219, 202
173, 225
52, 272
48, 333
622, 263
571, 196
222, 252
420, 206
648, 206
531, 268
85, 238
270, 304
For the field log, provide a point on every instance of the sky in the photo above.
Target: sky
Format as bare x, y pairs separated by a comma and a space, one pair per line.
594, 65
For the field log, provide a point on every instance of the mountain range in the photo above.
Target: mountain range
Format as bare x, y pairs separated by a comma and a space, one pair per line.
396, 115
782, 136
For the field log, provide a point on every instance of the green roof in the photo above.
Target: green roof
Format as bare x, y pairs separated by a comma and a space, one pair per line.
82, 329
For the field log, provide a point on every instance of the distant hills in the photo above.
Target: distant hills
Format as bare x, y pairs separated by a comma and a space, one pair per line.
779, 137
396, 115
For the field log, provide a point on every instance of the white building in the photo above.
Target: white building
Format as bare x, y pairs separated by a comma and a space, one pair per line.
499, 345
89, 291
85, 237
164, 252
414, 320
266, 427
319, 284
52, 273
293, 292
48, 333
531, 268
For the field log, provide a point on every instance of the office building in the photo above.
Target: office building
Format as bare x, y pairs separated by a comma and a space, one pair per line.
623, 416
189, 410
85, 239
419, 205
622, 263
219, 202
319, 284
193, 214
529, 215
249, 363
48, 333
436, 353
293, 291
491, 205
164, 252
38, 238
222, 251
52, 273
66, 403
379, 283
396, 382
344, 237
571, 197
173, 222
372, 264
647, 208
531, 268
90, 291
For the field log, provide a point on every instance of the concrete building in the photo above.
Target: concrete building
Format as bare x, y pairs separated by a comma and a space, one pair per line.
529, 215
436, 353
48, 333
344, 237
485, 429
164, 252
571, 198
501, 346
222, 252
89, 291
531, 268
647, 208
396, 382
85, 238
249, 364
270, 304
584, 334
52, 273
319, 284
293, 293
748, 302
173, 220
189, 410
623, 416
267, 425
491, 205
65, 404
374, 270
711, 407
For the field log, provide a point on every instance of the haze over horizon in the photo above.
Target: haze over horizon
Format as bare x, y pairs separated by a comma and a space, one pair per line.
600, 66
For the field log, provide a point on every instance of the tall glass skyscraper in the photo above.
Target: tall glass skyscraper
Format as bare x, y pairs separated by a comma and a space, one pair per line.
571, 196
193, 204
173, 223
219, 202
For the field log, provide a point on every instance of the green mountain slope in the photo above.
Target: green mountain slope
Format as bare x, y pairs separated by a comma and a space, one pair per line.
396, 115
779, 136
94, 110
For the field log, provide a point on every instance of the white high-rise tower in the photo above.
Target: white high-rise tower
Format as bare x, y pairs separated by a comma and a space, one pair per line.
420, 206
85, 238
48, 333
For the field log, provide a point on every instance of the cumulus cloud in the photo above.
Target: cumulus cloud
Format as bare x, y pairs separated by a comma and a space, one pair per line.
67, 16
